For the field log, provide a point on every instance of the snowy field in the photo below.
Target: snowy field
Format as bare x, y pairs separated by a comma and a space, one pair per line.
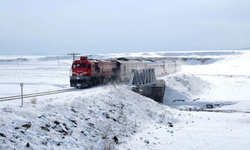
92, 118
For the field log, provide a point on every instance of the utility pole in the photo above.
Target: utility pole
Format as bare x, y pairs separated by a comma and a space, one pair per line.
74, 54
17, 61
21, 84
58, 61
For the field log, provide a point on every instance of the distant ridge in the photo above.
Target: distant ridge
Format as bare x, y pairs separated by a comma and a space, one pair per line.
247, 48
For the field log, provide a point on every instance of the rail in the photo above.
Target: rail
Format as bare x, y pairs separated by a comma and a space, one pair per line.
216, 110
9, 98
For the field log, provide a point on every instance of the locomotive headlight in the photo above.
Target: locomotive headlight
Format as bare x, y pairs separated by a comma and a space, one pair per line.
83, 73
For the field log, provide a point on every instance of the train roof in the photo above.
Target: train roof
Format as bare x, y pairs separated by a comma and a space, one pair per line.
130, 61
123, 60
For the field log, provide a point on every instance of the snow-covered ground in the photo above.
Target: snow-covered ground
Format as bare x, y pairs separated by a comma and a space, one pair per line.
93, 118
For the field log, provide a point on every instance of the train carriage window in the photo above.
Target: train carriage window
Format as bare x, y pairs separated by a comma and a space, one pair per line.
93, 67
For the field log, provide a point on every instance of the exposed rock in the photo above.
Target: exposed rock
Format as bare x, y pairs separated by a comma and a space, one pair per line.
45, 128
57, 122
65, 125
72, 109
63, 132
28, 144
146, 141
1, 134
41, 116
116, 140
28, 125
106, 115
92, 125
74, 121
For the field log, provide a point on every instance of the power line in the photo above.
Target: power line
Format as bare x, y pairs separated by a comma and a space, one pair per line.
74, 54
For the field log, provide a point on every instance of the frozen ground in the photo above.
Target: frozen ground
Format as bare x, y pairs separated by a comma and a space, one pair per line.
91, 118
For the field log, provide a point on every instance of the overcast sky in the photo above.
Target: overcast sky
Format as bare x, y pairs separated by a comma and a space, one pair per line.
116, 26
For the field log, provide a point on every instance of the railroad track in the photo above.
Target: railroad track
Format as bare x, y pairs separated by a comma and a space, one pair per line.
9, 98
218, 111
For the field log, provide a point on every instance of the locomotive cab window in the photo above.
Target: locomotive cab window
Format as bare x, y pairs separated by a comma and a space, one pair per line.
74, 66
89, 66
81, 65
84, 65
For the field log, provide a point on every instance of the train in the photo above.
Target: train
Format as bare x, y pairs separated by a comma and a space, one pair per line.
89, 72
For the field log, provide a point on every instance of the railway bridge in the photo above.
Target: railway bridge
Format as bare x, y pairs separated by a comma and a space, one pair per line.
143, 81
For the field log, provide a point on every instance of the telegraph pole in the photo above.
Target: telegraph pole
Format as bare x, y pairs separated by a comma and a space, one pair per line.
17, 61
74, 54
21, 84
58, 61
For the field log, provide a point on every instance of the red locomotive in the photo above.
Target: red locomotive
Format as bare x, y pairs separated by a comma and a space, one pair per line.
86, 73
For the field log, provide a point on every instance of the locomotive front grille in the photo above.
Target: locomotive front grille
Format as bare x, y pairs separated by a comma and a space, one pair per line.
79, 81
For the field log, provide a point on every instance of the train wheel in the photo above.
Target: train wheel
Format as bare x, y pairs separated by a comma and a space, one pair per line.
101, 81
98, 81
89, 85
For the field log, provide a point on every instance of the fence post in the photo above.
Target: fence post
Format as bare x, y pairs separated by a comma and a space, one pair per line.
21, 84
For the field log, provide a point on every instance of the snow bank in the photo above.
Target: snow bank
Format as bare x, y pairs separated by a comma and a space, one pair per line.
199, 61
229, 82
91, 120
183, 89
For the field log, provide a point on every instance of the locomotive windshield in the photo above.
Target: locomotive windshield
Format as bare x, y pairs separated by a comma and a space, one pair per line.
81, 65
84, 65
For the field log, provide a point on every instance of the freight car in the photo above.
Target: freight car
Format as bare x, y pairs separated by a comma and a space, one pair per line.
86, 73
